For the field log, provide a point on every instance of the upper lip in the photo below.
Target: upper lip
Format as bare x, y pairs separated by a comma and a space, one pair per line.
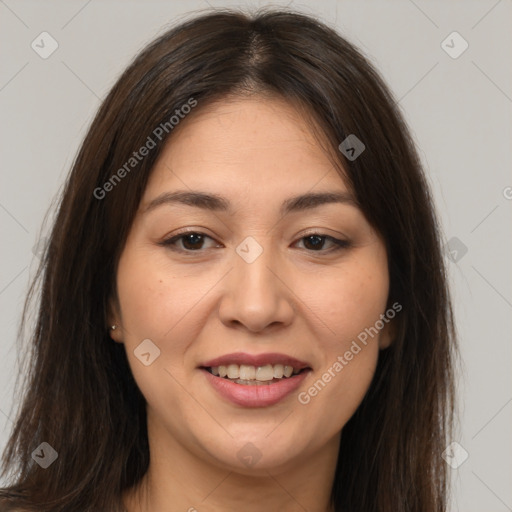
255, 360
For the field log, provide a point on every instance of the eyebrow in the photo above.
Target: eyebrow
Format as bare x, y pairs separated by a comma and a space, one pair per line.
214, 202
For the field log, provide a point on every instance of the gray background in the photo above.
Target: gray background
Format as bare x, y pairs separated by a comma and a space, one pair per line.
459, 111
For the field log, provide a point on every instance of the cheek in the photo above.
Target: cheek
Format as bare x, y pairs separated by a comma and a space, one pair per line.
152, 307
154, 297
167, 305
349, 306
346, 302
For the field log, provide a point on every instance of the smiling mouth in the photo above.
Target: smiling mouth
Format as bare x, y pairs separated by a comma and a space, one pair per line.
255, 375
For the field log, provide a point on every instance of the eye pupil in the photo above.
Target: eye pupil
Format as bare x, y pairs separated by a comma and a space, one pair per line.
193, 239
317, 241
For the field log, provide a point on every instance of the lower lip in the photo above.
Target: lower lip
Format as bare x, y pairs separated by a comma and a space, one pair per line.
257, 395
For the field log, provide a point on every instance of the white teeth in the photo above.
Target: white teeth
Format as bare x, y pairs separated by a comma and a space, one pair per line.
278, 371
264, 373
247, 372
233, 371
288, 370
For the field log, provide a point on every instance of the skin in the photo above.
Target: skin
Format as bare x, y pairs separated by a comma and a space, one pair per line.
295, 299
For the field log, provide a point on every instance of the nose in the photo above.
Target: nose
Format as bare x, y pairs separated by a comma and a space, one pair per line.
255, 295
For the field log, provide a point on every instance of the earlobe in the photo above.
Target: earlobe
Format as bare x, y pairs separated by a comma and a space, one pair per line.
114, 326
387, 335
115, 333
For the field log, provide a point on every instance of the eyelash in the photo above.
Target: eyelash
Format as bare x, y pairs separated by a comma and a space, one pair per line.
170, 242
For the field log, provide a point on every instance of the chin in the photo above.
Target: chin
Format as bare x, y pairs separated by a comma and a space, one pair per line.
255, 455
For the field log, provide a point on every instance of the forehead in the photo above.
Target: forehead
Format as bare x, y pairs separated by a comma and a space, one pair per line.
245, 145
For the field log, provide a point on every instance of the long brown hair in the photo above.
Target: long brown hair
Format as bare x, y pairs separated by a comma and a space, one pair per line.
80, 396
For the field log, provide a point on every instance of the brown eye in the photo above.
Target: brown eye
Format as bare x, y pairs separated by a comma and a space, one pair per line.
316, 243
191, 241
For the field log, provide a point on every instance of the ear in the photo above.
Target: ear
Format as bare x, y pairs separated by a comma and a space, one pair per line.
387, 334
392, 325
114, 319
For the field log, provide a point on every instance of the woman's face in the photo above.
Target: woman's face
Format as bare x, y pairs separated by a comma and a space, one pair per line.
256, 281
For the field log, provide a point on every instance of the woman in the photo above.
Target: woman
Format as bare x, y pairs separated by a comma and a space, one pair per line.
244, 303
